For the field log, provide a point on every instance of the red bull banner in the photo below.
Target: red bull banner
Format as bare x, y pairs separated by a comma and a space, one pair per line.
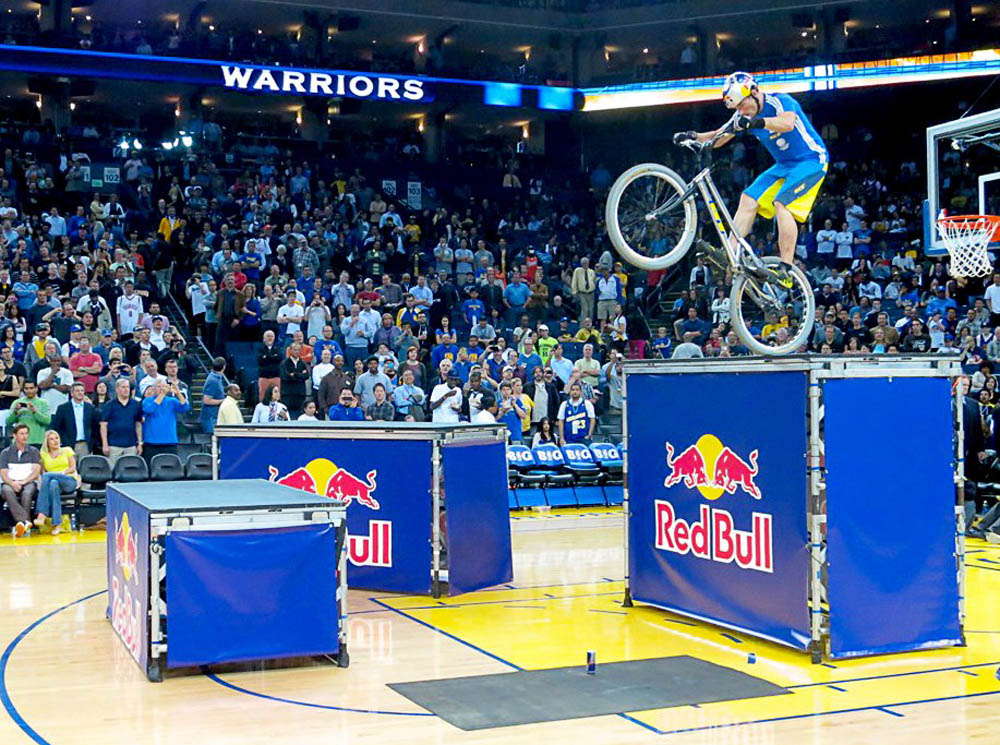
128, 574
717, 499
385, 485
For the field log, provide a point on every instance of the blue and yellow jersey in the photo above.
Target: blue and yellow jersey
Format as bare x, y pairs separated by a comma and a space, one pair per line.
801, 144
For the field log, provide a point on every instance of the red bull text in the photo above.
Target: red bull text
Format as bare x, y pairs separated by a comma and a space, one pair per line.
324, 478
126, 610
714, 469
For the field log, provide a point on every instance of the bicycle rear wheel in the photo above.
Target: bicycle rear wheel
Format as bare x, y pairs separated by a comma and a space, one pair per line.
758, 304
648, 221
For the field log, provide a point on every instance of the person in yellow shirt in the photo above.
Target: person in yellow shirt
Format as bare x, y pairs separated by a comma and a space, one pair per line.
229, 409
169, 223
517, 391
772, 325
59, 477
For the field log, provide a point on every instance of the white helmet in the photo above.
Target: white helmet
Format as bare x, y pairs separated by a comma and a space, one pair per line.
737, 87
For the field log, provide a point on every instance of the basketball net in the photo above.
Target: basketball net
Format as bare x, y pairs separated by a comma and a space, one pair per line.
967, 237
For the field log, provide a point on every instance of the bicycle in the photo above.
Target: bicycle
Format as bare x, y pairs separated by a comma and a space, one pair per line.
652, 221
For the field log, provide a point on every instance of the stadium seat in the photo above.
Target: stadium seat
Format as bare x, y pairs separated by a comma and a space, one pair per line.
166, 467
130, 468
558, 481
527, 483
198, 467
586, 473
95, 471
610, 458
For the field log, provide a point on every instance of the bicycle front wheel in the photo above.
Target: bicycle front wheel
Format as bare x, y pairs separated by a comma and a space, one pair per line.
771, 319
649, 222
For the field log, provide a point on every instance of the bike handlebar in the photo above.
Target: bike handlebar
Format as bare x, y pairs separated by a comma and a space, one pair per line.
699, 146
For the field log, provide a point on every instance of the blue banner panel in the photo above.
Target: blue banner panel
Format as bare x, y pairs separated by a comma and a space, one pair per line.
246, 595
717, 499
128, 574
475, 485
890, 494
386, 485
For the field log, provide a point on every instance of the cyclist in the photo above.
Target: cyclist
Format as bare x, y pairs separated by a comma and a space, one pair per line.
787, 190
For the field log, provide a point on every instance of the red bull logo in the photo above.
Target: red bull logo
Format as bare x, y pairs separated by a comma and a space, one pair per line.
714, 469
126, 548
321, 476
126, 611
324, 478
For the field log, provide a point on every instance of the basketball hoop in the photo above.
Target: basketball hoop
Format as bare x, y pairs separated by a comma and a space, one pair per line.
966, 237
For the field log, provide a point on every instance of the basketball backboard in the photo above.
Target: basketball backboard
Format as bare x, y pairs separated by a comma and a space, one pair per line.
963, 171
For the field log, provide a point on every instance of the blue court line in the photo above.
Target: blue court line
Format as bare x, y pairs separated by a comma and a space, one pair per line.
613, 612
827, 664
239, 689
888, 711
896, 675
470, 645
837, 688
989, 561
976, 566
730, 637
5, 659
968, 672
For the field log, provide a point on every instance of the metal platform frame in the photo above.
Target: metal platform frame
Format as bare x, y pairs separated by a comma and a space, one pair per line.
819, 368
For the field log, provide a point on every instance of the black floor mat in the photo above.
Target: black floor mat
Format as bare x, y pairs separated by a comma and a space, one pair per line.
485, 701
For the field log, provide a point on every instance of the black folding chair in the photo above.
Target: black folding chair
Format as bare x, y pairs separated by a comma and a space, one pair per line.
166, 467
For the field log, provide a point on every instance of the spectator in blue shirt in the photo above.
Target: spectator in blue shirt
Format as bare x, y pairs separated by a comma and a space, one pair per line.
693, 329
662, 343
448, 350
213, 392
528, 360
473, 309
160, 411
25, 290
515, 296
940, 303
346, 409
121, 423
327, 342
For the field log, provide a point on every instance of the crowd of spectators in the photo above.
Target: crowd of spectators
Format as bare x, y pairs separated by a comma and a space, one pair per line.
362, 307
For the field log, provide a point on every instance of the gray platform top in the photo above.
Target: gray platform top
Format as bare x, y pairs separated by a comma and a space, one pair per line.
366, 430
200, 496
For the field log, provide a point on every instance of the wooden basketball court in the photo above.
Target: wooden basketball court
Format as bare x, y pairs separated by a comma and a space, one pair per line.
65, 679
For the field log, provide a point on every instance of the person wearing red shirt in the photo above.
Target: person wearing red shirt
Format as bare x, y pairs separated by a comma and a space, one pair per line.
86, 366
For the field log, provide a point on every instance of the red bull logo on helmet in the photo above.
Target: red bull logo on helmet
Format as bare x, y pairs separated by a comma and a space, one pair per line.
321, 476
714, 469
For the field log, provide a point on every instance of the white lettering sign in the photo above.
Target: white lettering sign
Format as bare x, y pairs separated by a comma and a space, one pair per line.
380, 87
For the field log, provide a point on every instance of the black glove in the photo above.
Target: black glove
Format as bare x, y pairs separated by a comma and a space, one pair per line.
682, 137
744, 123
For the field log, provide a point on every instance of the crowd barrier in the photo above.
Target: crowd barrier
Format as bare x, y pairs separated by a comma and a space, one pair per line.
801, 500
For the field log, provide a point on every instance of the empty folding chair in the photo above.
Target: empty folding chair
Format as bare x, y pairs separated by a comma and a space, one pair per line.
166, 467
